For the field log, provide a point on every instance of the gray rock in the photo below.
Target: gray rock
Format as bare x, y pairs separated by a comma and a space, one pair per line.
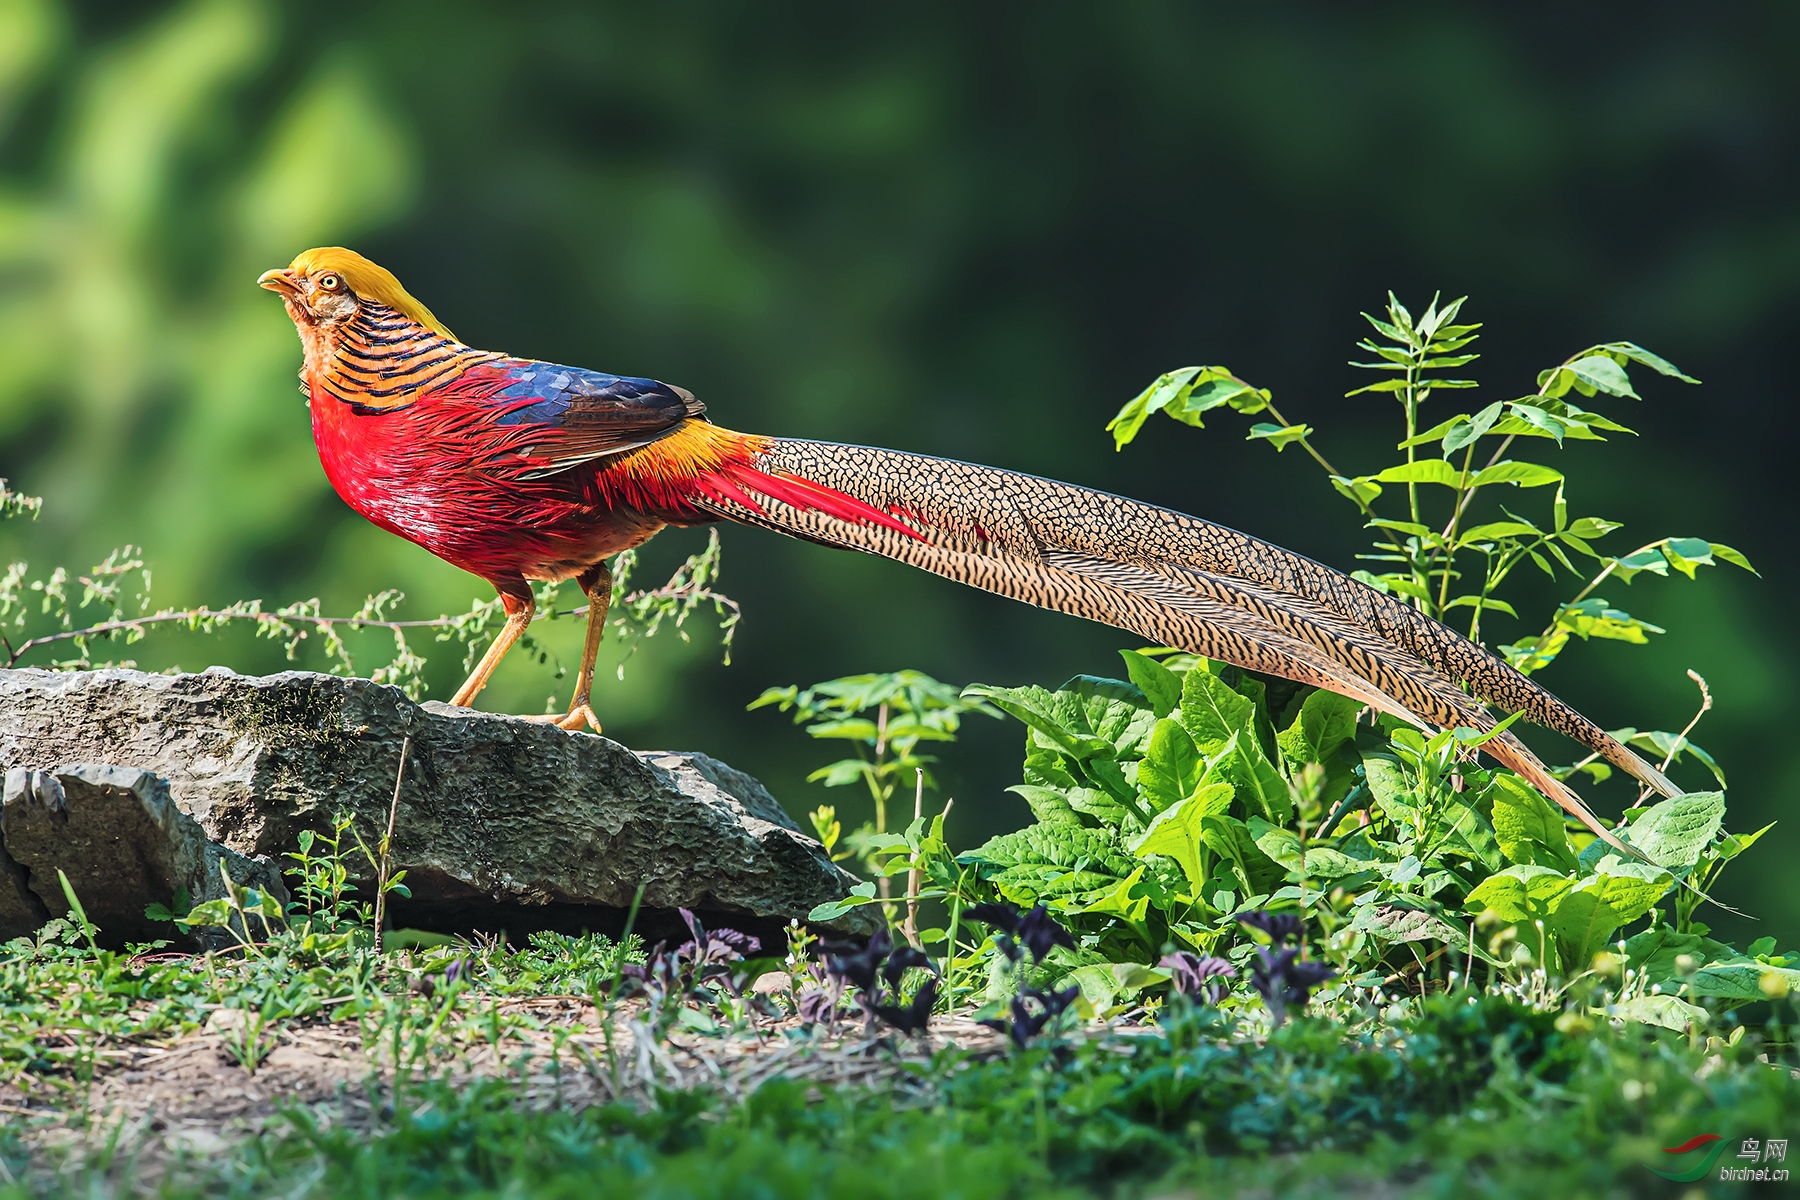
503, 823
121, 842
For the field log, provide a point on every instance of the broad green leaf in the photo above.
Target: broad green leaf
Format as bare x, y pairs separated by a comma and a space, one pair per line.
1637, 353
1325, 722
1216, 387
1411, 528
1036, 707
1523, 474
1527, 826
1395, 923
1212, 711
1466, 831
1114, 711
1523, 892
1049, 805
856, 730
1735, 844
1177, 833
1595, 618
1391, 785
1048, 768
1052, 860
1540, 423
1241, 761
1664, 1011
1163, 390
1687, 554
1161, 686
1630, 889
1477, 428
831, 910
1582, 925
1361, 491
1740, 980
1171, 769
1326, 863
1615, 895
1436, 432
842, 773
1059, 845
1675, 832
1230, 839
1185, 394
1572, 430
1102, 984
1483, 602
1281, 845
1735, 558
1495, 530
1591, 527
1639, 561
1125, 899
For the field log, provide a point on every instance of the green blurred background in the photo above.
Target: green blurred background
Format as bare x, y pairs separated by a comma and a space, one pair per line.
964, 230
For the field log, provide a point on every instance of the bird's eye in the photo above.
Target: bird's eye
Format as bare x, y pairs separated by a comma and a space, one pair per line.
330, 283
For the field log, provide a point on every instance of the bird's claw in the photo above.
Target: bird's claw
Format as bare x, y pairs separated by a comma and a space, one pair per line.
579, 718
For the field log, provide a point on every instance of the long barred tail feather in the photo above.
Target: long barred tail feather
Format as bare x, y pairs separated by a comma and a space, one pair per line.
1171, 577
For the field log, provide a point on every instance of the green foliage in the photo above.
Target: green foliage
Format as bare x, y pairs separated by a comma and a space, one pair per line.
1156, 826
1451, 515
884, 718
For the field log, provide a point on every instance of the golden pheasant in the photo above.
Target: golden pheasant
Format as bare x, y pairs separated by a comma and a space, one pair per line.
518, 470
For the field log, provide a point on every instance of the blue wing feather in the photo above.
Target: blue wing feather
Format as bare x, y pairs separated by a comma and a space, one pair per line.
577, 415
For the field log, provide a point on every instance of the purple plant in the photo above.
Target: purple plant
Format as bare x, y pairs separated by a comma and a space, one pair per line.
706, 959
1036, 931
914, 1017
818, 1006
1025, 1024
1284, 979
1199, 978
852, 964
867, 968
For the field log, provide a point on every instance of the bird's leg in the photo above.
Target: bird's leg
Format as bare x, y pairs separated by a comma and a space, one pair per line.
597, 582
519, 609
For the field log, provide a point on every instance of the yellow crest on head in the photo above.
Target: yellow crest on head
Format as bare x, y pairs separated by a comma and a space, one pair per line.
369, 281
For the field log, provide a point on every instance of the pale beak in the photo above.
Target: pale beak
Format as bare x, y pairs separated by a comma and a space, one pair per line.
280, 280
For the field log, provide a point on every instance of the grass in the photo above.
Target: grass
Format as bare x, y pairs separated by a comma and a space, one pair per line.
1465, 1095
569, 1067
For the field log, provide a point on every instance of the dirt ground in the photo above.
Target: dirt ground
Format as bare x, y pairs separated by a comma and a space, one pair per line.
192, 1097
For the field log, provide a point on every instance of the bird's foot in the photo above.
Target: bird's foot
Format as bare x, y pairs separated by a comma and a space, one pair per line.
578, 718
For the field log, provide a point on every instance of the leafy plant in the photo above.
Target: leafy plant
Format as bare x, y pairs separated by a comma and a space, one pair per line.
873, 972
884, 718
1160, 825
1425, 543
